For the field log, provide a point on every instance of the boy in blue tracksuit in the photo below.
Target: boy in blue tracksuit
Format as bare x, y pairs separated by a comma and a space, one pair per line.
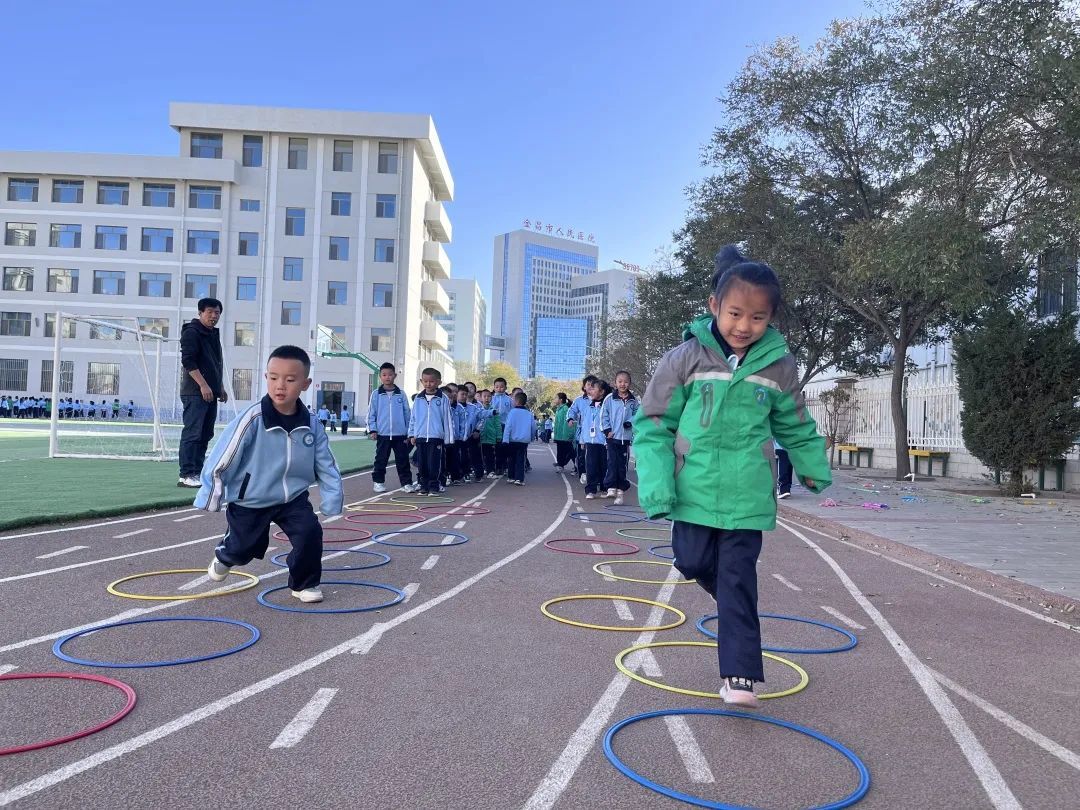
476, 456
501, 404
464, 419
573, 418
388, 424
616, 415
261, 469
430, 428
517, 433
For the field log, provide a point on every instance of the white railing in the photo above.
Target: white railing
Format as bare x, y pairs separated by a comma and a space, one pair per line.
873, 412
933, 410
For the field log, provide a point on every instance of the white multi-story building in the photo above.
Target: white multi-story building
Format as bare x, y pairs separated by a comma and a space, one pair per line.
465, 321
295, 219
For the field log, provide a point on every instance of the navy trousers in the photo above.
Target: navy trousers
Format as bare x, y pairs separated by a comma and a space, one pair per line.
564, 452
618, 457
488, 451
579, 457
476, 458
248, 536
595, 467
429, 460
783, 471
500, 457
199, 417
400, 447
724, 563
515, 461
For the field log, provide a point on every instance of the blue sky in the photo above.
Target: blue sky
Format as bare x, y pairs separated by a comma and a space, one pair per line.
586, 114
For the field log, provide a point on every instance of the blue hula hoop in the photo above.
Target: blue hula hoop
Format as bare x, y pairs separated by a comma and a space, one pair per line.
63, 656
400, 596
852, 641
277, 559
847, 801
376, 539
652, 550
606, 517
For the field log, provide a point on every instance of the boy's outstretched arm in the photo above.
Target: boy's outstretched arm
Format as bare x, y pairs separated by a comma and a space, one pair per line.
328, 475
655, 427
796, 430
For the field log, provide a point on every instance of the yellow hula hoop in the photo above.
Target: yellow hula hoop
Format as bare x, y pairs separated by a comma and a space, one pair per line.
550, 615
254, 580
804, 679
422, 499
381, 508
596, 568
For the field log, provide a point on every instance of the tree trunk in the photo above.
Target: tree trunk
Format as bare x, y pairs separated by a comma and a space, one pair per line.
899, 417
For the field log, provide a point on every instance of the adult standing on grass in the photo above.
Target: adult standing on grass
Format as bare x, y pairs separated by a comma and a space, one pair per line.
202, 388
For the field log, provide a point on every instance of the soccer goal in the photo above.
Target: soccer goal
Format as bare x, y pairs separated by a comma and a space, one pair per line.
114, 389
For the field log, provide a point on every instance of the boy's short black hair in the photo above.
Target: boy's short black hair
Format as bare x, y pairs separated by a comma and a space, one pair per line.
482, 391
520, 398
209, 303
516, 389
731, 266
499, 379
470, 384
390, 366
288, 352
431, 372
589, 378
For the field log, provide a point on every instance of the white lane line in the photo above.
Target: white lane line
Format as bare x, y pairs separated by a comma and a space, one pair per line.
786, 582
590, 532
605, 572
362, 643
623, 610
195, 583
1041, 617
47, 571
448, 540
410, 590
597, 548
6, 668
139, 531
460, 524
429, 563
584, 737
189, 517
997, 790
836, 614
304, 721
697, 767
271, 548
1070, 758
61, 551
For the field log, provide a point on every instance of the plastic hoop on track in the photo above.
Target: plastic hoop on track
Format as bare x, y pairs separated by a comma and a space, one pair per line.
383, 508
441, 533
852, 641
596, 568
129, 693
655, 553
366, 518
557, 599
355, 538
419, 500
63, 656
804, 679
278, 559
548, 544
399, 598
847, 801
458, 511
635, 534
252, 582
605, 517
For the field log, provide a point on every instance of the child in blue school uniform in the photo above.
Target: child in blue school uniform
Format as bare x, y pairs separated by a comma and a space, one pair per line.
517, 434
593, 438
616, 415
430, 429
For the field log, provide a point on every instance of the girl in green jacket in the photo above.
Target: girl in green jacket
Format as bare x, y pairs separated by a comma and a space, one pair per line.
564, 433
704, 445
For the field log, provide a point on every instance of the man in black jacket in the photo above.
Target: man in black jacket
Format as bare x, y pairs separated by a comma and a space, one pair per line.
202, 388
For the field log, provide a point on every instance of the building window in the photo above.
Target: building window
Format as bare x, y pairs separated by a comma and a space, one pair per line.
204, 197
339, 248
242, 379
15, 324
337, 292
20, 234
65, 236
1056, 287
67, 375
386, 206
155, 326
384, 250
253, 150
297, 153
112, 193
103, 378
249, 243
158, 195
157, 240
199, 286
380, 339
388, 158
249, 205
340, 204
109, 282
292, 269
343, 156
18, 279
294, 221
204, 242
244, 333
246, 288
13, 374
206, 144
67, 191
101, 332
50, 326
22, 189
155, 285
290, 313
110, 237
62, 280
382, 295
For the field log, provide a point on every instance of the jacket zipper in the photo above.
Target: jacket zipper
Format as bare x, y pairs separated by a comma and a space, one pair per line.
706, 404
288, 461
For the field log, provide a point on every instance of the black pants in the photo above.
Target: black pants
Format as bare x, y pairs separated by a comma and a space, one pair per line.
579, 457
618, 457
199, 418
515, 462
344, 427
455, 469
500, 457
564, 452
488, 451
429, 459
595, 467
476, 458
383, 446
724, 563
248, 536
783, 470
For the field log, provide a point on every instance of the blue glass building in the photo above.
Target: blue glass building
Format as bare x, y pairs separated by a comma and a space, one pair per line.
561, 346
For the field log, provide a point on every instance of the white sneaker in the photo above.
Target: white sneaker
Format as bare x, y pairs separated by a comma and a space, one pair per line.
584, 478
618, 498
783, 495
739, 692
217, 570
589, 496
413, 487
609, 494
190, 481
491, 476
380, 487
308, 595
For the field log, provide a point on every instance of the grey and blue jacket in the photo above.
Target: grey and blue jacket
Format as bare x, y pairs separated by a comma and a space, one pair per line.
519, 425
265, 459
502, 404
591, 431
462, 417
388, 412
577, 414
614, 413
431, 420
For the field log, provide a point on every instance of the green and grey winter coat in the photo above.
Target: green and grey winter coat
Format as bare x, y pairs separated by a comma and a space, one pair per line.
703, 437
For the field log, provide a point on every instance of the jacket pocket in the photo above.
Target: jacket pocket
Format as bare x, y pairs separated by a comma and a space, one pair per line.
244, 486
